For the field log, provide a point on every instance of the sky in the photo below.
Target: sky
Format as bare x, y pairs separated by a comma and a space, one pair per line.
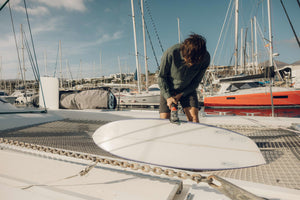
97, 35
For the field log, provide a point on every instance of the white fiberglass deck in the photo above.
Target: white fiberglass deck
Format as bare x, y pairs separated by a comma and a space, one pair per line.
35, 175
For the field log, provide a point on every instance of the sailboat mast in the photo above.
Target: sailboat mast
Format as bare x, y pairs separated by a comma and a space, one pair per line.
178, 30
1, 80
60, 65
23, 57
270, 53
136, 52
145, 49
241, 50
236, 35
100, 64
252, 47
45, 62
256, 53
270, 36
120, 69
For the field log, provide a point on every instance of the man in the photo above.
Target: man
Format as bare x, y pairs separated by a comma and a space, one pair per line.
181, 71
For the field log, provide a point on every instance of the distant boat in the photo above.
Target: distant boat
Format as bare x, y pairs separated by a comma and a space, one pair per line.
252, 94
24, 98
144, 98
8, 98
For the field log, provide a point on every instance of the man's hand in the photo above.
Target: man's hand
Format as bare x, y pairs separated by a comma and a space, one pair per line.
170, 101
177, 97
174, 100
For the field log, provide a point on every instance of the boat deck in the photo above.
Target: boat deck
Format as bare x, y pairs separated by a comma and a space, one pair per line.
280, 148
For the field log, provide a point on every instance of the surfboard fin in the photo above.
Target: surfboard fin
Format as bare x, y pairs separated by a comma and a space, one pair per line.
174, 115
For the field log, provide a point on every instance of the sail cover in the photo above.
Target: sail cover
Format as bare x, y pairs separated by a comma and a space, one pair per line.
88, 99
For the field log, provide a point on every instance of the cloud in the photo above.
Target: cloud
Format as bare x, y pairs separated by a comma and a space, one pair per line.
291, 42
71, 5
40, 7
85, 46
107, 10
51, 25
109, 37
39, 10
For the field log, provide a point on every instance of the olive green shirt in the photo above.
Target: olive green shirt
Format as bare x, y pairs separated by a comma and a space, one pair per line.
176, 77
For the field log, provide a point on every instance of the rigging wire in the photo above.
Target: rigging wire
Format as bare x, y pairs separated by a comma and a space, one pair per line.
295, 34
213, 58
36, 63
30, 57
32, 43
149, 37
154, 27
4, 5
19, 60
263, 39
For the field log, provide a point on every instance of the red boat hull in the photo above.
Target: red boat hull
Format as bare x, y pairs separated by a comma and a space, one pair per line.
286, 98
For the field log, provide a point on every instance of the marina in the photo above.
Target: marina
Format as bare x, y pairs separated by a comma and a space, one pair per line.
89, 130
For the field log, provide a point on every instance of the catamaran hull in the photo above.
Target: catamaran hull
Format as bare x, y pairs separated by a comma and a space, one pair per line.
280, 99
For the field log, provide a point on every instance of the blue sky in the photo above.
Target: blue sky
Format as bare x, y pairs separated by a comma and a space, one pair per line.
88, 27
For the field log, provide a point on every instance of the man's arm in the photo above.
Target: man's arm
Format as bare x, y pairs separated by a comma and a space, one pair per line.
164, 74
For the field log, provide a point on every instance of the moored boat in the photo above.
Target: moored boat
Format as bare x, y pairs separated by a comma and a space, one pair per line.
252, 94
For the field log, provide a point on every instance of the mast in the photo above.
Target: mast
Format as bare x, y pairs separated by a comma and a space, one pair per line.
145, 49
100, 65
236, 35
23, 58
80, 72
256, 53
270, 36
136, 52
245, 50
1, 80
67, 70
45, 62
252, 47
270, 53
178, 30
60, 65
242, 54
120, 69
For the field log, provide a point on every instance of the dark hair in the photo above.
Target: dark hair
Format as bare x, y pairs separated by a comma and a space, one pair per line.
193, 48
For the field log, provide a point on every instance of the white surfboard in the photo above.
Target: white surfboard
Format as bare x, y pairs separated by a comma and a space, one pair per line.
189, 145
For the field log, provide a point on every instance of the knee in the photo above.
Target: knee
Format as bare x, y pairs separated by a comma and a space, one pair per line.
164, 115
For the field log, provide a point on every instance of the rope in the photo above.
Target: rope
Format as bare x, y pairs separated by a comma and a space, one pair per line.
4, 5
154, 27
36, 63
148, 34
30, 57
13, 27
81, 173
292, 27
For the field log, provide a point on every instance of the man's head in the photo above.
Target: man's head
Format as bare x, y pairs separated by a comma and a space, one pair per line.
193, 48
